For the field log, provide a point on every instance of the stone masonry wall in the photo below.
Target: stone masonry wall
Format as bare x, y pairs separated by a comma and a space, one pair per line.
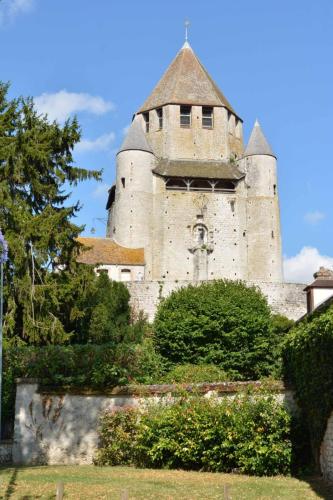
54, 427
326, 451
285, 298
5, 452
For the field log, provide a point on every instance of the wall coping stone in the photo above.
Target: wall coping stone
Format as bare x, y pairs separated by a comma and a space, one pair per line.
156, 389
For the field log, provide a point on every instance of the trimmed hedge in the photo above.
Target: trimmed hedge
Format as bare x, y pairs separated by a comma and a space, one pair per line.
250, 434
308, 366
222, 322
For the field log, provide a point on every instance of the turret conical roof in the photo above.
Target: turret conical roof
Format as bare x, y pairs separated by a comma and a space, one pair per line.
258, 144
135, 138
186, 81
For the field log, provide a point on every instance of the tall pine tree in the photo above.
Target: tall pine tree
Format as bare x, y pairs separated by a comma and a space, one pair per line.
36, 174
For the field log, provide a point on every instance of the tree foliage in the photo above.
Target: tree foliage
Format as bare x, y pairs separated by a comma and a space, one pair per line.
36, 216
221, 322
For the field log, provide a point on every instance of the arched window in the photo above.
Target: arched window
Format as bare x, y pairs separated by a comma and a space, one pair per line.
176, 183
200, 234
200, 185
224, 185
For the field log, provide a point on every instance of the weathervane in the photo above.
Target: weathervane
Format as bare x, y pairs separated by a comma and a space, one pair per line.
187, 24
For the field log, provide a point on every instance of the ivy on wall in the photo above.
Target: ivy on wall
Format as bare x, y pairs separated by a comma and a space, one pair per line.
308, 366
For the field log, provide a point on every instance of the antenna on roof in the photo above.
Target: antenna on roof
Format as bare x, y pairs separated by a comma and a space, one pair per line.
187, 24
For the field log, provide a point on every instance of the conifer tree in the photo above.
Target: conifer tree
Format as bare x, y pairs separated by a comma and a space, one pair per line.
36, 173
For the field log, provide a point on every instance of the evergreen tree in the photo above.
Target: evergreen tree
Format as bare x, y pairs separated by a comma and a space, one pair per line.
36, 216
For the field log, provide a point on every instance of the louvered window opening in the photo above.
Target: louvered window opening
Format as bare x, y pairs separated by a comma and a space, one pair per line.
146, 119
159, 113
185, 116
207, 185
207, 117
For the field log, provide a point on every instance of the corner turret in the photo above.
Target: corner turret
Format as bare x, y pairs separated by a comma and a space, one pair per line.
263, 214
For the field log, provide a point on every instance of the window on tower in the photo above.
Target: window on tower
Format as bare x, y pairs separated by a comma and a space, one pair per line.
207, 117
159, 113
146, 119
185, 116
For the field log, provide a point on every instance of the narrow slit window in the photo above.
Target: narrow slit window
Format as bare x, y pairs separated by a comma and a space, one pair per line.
123, 181
159, 112
146, 119
185, 116
207, 117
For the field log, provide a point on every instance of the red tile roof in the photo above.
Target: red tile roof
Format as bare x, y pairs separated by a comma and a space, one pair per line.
107, 251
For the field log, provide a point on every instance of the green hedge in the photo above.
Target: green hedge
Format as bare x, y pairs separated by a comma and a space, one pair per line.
250, 434
105, 365
308, 366
224, 323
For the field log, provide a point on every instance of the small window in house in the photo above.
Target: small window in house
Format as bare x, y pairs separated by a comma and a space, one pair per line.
125, 275
159, 112
146, 119
207, 117
185, 116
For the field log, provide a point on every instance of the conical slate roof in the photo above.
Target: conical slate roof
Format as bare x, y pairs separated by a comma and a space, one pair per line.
135, 138
258, 144
186, 81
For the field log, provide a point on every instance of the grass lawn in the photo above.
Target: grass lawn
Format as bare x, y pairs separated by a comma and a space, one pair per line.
87, 481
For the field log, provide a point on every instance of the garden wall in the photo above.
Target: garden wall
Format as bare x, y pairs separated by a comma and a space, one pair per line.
53, 426
288, 299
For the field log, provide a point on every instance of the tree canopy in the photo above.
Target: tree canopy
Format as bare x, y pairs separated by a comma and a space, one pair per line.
37, 172
222, 322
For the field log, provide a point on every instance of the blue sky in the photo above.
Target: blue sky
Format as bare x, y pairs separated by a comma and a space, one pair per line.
273, 61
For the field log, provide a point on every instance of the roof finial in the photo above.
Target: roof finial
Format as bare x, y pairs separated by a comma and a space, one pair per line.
187, 24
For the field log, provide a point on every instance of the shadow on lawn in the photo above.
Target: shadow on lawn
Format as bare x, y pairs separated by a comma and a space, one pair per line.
11, 485
319, 486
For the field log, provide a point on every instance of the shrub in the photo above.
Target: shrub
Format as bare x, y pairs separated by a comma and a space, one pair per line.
117, 433
308, 354
222, 322
194, 374
249, 433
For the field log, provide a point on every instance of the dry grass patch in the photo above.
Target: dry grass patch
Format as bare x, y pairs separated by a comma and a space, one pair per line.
85, 482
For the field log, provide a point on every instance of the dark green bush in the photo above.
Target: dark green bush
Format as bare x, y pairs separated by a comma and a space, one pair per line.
183, 374
308, 366
250, 434
221, 322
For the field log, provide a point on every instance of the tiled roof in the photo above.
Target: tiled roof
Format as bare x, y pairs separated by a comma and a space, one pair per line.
197, 169
106, 251
320, 283
135, 138
186, 81
258, 144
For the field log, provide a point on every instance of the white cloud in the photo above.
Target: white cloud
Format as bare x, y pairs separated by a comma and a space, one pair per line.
9, 9
62, 104
314, 217
126, 129
301, 267
102, 143
101, 191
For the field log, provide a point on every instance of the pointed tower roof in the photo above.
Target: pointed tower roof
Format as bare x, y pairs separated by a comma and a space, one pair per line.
135, 138
258, 144
186, 81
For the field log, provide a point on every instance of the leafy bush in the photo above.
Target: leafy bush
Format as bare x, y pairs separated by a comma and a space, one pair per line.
222, 322
249, 433
194, 374
117, 435
308, 354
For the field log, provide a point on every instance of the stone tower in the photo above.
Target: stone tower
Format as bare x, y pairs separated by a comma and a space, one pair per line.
187, 193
